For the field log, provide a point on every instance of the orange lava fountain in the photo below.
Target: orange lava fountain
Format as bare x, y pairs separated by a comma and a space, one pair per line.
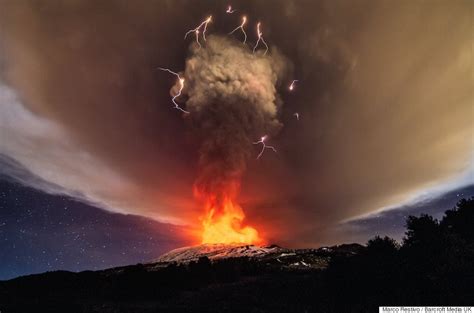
222, 223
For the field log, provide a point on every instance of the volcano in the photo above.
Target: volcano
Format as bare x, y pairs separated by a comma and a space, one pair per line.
272, 255
217, 251
219, 278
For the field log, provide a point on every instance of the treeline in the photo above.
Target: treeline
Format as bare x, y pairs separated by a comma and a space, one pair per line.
434, 265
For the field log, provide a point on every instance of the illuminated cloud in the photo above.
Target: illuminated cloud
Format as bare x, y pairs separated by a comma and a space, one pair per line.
37, 152
384, 95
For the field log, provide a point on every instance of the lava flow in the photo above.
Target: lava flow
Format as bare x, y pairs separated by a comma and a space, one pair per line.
223, 223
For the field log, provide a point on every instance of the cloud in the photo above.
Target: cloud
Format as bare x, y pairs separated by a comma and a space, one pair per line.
233, 101
384, 96
37, 152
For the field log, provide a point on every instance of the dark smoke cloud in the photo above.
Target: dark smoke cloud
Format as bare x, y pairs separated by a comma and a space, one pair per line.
385, 100
233, 101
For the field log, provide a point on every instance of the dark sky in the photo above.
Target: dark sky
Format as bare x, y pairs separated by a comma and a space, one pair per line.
41, 232
384, 96
392, 222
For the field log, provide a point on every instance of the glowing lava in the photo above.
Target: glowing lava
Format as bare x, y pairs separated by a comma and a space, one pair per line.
223, 223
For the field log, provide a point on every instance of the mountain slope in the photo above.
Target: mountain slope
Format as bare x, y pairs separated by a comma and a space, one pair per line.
216, 252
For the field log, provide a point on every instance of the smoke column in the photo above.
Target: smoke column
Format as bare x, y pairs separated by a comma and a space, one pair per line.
232, 100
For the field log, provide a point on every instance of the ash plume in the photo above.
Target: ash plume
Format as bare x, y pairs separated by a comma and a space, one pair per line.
232, 97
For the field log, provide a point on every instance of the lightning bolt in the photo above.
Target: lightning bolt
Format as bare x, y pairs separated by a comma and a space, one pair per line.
260, 38
197, 38
297, 115
292, 85
181, 86
196, 30
264, 146
241, 27
207, 21
229, 10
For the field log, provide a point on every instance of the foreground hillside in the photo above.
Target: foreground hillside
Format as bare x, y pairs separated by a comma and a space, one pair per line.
433, 266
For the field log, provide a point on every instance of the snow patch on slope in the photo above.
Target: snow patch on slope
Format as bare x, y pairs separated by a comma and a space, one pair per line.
215, 252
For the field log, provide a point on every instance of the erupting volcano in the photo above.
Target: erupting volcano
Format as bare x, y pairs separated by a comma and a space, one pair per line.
223, 219
231, 100
223, 223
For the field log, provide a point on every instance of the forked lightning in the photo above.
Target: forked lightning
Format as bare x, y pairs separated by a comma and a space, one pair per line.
264, 146
181, 86
241, 27
260, 38
196, 30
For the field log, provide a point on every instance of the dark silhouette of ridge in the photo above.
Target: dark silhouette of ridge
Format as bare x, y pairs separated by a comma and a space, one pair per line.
434, 265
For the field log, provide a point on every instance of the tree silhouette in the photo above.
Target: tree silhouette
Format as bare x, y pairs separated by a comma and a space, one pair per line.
460, 220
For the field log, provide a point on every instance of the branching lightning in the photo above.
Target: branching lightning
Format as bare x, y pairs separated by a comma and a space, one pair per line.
181, 86
260, 38
207, 21
197, 38
241, 27
264, 146
292, 85
229, 10
196, 30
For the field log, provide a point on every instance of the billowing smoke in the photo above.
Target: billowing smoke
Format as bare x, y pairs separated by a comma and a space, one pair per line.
232, 99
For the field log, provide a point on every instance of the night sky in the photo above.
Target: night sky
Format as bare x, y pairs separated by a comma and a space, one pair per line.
97, 168
392, 222
41, 232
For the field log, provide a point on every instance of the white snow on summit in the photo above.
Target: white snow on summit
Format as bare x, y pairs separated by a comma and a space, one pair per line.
215, 252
